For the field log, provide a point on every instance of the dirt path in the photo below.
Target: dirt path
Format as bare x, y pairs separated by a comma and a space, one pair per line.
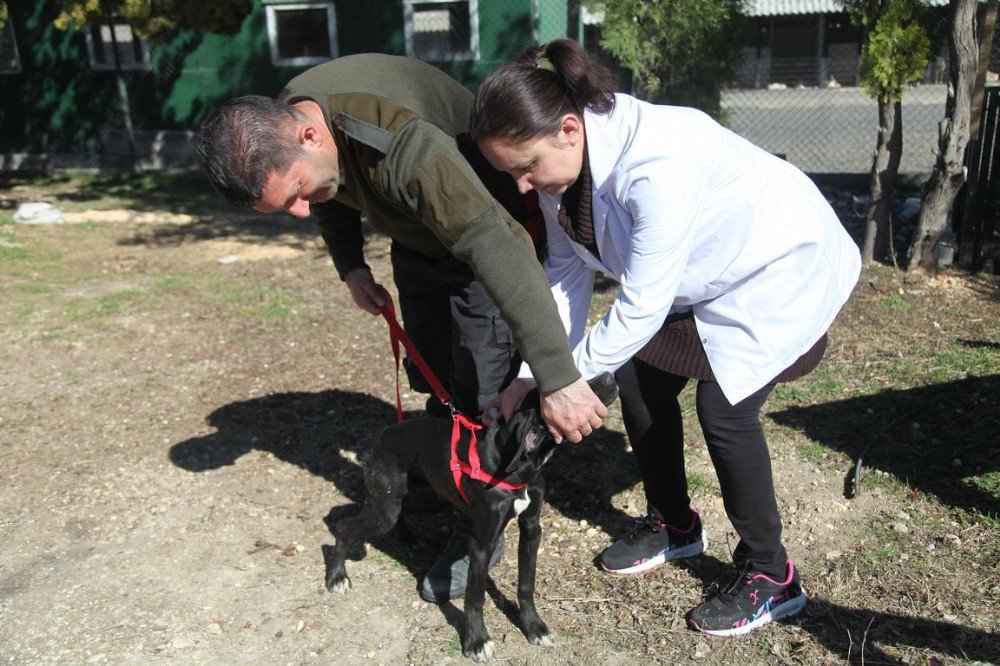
177, 434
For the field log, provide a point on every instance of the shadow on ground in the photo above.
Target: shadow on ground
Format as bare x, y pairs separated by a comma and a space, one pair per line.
236, 225
326, 433
309, 430
940, 439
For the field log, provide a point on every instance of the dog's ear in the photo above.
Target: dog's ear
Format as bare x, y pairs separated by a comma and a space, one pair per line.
532, 440
530, 433
605, 386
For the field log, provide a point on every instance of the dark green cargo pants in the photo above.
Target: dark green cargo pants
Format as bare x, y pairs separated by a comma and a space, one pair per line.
456, 326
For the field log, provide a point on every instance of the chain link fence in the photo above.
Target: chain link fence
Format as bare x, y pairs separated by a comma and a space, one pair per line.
65, 146
105, 118
833, 130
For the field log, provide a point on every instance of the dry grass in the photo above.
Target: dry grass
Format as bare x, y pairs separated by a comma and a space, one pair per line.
163, 413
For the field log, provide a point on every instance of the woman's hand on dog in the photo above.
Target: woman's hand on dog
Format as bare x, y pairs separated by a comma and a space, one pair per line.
508, 401
368, 294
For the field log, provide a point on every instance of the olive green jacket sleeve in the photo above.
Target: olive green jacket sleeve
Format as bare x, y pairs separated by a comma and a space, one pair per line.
425, 174
340, 226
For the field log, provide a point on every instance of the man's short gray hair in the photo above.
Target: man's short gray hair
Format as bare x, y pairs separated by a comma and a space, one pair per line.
243, 142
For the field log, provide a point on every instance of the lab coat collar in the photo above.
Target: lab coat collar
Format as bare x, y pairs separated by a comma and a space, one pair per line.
604, 144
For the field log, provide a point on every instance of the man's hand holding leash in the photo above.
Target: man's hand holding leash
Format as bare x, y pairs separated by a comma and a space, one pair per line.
368, 294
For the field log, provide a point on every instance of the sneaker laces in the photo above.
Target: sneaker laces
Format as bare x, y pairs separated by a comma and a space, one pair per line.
740, 579
645, 525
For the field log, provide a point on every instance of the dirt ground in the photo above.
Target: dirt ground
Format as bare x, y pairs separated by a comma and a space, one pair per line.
178, 434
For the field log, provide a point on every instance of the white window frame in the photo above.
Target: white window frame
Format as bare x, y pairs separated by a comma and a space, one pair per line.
272, 32
472, 53
16, 69
107, 47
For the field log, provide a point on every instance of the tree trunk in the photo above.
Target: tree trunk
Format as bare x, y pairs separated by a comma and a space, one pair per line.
885, 166
970, 229
953, 137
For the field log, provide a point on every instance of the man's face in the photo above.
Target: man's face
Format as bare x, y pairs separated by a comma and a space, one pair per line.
314, 178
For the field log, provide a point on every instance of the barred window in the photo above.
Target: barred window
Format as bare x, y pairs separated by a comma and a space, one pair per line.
302, 33
441, 30
102, 39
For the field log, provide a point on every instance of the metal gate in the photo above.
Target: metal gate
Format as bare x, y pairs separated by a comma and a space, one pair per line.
978, 238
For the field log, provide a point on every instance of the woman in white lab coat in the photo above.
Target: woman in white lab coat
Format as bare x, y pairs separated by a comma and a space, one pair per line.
732, 267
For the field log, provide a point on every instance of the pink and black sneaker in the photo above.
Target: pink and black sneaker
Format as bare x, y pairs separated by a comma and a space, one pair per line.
751, 600
652, 542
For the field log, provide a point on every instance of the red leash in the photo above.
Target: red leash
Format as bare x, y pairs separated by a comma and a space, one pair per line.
459, 420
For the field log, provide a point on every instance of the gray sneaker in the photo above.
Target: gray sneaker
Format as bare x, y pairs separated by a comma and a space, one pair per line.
448, 576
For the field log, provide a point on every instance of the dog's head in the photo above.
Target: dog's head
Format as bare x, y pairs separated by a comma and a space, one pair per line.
526, 434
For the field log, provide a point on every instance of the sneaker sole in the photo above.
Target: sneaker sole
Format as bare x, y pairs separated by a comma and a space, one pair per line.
787, 609
690, 550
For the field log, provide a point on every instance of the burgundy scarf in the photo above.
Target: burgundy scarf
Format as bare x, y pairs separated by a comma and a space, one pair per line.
574, 214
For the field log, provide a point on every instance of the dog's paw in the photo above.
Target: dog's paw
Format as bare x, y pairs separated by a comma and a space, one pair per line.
536, 632
339, 586
543, 639
481, 653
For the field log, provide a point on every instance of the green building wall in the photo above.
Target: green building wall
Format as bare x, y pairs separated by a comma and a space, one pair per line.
58, 104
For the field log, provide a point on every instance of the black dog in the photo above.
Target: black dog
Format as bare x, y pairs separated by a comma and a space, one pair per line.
513, 452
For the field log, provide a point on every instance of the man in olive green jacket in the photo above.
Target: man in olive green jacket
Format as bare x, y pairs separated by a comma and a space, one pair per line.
386, 136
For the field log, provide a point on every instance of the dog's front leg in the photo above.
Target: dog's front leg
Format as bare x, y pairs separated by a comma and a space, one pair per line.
477, 643
527, 561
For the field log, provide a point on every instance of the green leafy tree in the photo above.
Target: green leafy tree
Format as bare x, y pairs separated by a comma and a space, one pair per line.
154, 20
680, 51
4, 13
897, 50
893, 57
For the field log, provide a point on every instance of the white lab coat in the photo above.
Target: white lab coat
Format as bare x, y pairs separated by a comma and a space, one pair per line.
688, 215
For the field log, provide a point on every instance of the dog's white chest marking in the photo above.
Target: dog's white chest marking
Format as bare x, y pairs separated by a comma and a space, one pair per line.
521, 503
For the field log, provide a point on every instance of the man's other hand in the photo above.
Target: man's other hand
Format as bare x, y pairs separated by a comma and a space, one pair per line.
572, 412
367, 294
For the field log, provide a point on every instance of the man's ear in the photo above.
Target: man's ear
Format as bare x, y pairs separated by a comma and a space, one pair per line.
308, 135
605, 387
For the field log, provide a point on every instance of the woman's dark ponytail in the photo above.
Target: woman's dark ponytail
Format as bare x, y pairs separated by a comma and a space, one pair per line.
527, 97
588, 83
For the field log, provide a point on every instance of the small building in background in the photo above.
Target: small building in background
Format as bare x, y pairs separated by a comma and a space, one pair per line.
811, 43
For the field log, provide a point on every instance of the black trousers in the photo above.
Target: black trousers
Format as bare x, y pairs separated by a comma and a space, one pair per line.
736, 443
456, 326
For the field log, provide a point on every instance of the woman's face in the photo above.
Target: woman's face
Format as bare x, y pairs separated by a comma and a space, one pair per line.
549, 164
